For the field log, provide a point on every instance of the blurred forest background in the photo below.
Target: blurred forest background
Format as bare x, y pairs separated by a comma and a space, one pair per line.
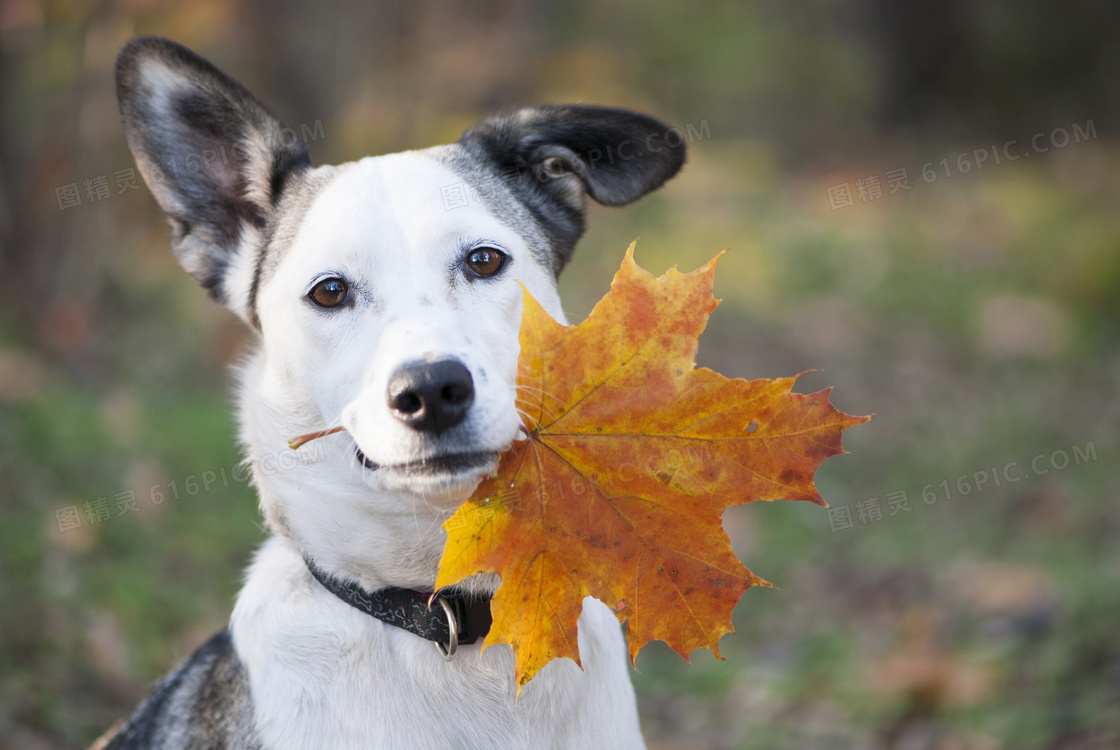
895, 224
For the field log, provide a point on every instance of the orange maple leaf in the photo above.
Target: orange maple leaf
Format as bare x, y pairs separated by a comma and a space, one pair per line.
631, 458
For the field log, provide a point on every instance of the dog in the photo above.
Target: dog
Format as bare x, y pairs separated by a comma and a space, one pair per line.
382, 307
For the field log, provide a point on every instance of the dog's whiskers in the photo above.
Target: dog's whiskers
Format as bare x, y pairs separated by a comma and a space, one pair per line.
542, 394
539, 403
527, 417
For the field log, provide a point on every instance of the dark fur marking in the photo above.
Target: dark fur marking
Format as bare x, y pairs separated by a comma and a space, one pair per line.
284, 164
205, 703
586, 143
198, 131
300, 186
216, 266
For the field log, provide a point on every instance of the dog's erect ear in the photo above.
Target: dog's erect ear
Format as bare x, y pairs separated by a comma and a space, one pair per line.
214, 157
555, 156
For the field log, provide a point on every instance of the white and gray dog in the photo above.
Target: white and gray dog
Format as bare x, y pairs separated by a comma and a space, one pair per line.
378, 309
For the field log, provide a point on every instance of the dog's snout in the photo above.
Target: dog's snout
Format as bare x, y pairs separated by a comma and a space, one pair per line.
431, 396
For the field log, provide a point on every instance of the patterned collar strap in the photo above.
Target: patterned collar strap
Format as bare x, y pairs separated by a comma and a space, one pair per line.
409, 610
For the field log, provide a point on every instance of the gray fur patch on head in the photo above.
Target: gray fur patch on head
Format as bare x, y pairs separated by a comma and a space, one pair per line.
299, 194
551, 159
483, 177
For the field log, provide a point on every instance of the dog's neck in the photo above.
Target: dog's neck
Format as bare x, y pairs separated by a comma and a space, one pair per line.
355, 541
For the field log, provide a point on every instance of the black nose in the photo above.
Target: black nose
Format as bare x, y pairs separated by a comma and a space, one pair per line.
431, 396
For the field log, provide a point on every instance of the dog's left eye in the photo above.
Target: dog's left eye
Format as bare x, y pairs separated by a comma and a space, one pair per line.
485, 261
330, 292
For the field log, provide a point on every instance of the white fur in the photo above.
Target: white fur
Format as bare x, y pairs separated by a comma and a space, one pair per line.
322, 674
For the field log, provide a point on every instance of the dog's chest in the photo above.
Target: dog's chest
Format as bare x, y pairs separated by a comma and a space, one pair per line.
323, 674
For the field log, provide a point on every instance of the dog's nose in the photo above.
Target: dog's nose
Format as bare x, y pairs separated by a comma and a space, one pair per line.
431, 396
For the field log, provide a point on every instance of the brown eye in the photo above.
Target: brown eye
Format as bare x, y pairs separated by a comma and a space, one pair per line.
330, 293
485, 261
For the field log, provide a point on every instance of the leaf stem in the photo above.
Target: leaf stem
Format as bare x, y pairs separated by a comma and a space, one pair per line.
296, 442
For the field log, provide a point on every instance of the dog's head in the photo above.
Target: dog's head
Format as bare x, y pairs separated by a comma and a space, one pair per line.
385, 291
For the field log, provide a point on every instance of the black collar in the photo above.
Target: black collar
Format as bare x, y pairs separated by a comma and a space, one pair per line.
411, 611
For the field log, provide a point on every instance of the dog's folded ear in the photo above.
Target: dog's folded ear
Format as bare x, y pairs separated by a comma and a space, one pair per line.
554, 156
213, 156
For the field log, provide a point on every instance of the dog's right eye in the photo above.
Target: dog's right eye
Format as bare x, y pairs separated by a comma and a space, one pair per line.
330, 292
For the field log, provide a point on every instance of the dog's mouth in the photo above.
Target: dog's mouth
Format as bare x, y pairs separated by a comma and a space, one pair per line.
447, 465
364, 460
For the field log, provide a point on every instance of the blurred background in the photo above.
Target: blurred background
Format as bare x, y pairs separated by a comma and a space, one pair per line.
921, 205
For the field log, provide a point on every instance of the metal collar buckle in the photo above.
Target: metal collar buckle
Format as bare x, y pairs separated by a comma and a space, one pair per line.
448, 652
